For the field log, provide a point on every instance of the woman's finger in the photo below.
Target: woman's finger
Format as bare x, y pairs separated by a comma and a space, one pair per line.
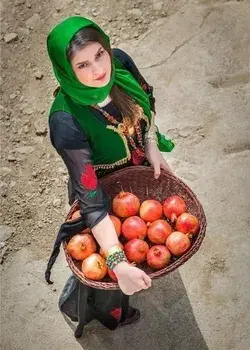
165, 166
157, 170
147, 280
142, 285
127, 292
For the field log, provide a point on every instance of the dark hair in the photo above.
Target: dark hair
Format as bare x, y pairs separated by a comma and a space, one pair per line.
129, 110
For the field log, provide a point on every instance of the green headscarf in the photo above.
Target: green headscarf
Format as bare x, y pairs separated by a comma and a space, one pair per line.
74, 97
57, 43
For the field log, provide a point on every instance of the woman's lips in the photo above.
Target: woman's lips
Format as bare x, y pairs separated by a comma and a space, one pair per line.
101, 76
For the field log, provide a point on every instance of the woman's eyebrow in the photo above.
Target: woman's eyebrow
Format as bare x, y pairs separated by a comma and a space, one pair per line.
95, 56
100, 49
81, 62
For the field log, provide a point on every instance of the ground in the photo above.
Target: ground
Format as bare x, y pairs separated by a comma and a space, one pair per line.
196, 55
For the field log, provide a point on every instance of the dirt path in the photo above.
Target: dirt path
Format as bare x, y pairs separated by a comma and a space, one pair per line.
195, 53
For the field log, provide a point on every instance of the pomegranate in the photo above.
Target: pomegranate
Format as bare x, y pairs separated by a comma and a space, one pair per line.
81, 246
112, 275
158, 257
178, 243
76, 215
136, 250
151, 210
104, 255
101, 252
158, 231
94, 267
187, 223
173, 207
117, 223
126, 204
134, 227
87, 230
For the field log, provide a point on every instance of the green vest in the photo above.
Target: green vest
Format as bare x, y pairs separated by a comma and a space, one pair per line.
109, 145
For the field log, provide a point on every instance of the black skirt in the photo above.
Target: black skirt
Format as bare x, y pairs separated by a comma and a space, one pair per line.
83, 304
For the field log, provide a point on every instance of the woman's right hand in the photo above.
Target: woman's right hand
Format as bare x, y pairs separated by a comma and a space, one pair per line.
130, 278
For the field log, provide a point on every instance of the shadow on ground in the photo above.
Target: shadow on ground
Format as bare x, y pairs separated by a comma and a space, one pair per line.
167, 322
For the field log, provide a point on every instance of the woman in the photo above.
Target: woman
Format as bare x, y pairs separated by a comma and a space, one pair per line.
100, 121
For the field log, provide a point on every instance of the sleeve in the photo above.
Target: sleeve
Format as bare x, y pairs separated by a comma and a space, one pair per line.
129, 64
71, 144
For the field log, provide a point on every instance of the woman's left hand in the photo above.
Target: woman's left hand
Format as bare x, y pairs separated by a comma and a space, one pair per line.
156, 159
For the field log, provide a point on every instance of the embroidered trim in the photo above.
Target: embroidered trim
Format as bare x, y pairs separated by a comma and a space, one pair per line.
89, 178
121, 161
116, 313
91, 194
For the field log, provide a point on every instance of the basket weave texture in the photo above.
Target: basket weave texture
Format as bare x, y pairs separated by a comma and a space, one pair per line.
140, 181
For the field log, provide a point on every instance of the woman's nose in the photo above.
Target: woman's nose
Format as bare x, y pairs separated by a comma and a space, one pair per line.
97, 69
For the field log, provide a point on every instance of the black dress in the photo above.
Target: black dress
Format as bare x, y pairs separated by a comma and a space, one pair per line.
78, 301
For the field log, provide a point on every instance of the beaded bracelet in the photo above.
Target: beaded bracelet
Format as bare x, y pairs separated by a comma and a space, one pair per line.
113, 249
115, 258
151, 136
149, 140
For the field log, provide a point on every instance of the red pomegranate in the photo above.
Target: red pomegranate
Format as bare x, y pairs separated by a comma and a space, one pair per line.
173, 207
94, 267
178, 243
136, 250
101, 252
87, 230
158, 231
134, 227
81, 246
126, 204
151, 210
112, 275
187, 223
117, 223
75, 215
158, 257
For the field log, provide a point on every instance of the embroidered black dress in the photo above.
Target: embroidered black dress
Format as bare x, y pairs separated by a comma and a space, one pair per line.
79, 302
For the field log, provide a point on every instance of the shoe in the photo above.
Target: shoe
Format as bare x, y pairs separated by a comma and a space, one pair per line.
79, 331
133, 316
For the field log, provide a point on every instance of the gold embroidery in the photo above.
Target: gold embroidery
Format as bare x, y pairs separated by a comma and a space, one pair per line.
121, 161
111, 166
120, 130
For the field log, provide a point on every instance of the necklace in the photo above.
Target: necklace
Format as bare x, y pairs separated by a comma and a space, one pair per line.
138, 153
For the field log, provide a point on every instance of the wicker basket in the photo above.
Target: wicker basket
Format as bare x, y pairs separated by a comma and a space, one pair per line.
140, 180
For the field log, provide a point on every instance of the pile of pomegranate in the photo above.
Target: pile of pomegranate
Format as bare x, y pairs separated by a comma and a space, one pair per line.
150, 232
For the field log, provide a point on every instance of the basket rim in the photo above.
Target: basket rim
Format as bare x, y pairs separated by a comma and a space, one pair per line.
158, 273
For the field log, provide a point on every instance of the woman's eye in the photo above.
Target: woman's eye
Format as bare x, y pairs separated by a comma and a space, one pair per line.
100, 54
84, 65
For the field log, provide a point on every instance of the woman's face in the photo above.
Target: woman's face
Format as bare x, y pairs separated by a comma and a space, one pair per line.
92, 65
